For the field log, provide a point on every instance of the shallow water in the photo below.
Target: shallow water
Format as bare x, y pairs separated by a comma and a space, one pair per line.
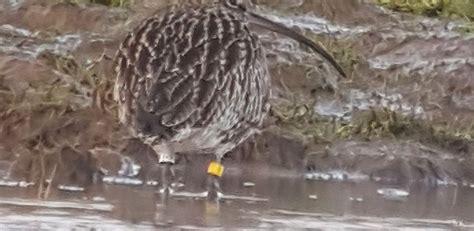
270, 202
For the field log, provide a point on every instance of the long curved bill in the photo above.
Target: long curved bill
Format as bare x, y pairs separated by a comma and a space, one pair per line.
281, 29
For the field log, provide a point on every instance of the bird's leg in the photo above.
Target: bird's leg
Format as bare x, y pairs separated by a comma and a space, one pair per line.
166, 178
214, 171
166, 161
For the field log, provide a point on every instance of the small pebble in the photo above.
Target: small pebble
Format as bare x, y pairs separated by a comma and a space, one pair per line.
249, 184
393, 193
177, 185
21, 184
313, 196
152, 183
8, 183
122, 180
357, 199
69, 188
98, 199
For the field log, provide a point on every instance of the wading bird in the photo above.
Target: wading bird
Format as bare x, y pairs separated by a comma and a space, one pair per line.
195, 78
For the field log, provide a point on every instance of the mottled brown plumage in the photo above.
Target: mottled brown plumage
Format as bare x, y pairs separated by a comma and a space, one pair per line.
195, 78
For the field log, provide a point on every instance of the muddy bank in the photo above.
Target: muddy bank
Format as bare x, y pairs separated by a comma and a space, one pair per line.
404, 116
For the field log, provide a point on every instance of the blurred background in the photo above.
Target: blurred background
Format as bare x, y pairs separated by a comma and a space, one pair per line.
390, 146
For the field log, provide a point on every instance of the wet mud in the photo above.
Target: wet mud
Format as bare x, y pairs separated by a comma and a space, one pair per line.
390, 146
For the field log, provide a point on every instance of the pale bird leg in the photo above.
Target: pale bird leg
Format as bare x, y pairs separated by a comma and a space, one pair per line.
166, 161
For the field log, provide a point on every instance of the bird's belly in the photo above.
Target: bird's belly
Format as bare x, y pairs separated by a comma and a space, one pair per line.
197, 139
211, 138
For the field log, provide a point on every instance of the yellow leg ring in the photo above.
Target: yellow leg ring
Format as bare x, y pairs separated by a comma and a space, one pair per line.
215, 168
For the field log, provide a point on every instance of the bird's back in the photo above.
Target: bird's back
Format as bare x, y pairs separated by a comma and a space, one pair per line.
192, 68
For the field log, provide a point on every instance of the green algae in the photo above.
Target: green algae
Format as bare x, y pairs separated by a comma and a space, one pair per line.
446, 8
110, 3
457, 9
113, 3
372, 124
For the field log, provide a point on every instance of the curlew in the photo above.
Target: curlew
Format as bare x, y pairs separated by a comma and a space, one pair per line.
195, 78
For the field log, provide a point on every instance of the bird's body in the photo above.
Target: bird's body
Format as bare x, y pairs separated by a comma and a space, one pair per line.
194, 78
